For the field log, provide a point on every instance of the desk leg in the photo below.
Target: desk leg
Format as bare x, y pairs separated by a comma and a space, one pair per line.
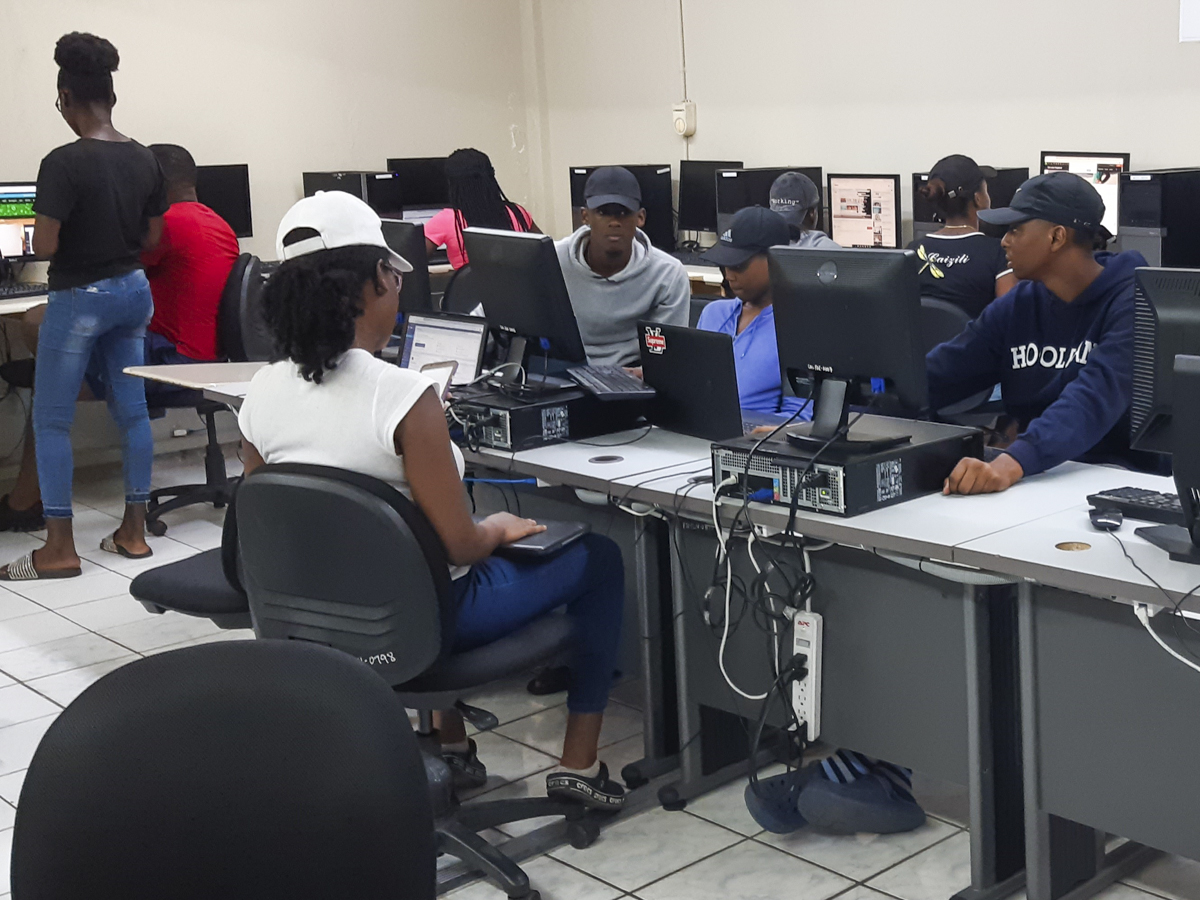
1064, 860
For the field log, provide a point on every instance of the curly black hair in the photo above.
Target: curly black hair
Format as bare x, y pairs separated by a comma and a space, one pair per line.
85, 67
311, 302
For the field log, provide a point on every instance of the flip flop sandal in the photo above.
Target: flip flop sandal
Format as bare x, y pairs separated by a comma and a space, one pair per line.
109, 545
773, 804
23, 570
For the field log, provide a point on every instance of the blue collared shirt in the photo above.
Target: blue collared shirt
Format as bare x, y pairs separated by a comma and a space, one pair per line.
756, 356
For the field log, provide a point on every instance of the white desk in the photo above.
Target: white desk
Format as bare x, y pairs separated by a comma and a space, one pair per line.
233, 377
17, 306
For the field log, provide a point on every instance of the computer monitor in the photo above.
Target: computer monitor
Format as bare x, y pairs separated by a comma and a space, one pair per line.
1000, 189
422, 181
226, 191
1103, 170
441, 337
738, 188
521, 285
408, 239
842, 318
16, 220
380, 190
698, 193
655, 182
864, 210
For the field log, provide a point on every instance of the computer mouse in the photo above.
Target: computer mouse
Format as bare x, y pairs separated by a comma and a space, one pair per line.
1106, 519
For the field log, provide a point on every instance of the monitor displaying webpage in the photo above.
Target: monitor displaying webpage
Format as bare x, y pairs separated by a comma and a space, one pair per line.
16, 220
432, 339
1104, 173
863, 211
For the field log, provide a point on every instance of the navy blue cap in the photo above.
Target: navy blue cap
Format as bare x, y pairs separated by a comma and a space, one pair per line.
753, 230
1059, 197
612, 184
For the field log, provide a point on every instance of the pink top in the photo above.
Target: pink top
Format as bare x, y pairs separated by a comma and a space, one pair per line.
440, 229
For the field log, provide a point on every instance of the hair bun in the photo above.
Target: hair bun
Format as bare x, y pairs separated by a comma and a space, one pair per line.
86, 54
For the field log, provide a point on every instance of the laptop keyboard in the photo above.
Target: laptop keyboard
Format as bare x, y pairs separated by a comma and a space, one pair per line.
610, 383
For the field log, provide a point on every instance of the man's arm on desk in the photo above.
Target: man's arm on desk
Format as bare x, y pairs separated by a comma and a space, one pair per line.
974, 476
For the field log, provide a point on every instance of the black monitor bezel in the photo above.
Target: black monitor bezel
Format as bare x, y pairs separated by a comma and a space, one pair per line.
683, 223
248, 231
26, 257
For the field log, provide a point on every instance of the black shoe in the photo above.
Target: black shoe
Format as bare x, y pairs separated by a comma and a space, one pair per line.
550, 680
21, 519
466, 771
600, 792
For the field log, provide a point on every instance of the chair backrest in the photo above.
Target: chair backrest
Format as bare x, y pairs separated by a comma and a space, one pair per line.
697, 307
346, 560
245, 770
242, 331
941, 321
460, 296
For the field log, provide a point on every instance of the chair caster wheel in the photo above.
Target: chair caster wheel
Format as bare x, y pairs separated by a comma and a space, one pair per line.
669, 798
633, 777
582, 834
156, 527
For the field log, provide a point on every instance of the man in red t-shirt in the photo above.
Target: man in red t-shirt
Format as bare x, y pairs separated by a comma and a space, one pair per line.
189, 267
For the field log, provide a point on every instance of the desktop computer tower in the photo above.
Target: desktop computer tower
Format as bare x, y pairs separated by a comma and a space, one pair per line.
1000, 189
1159, 215
380, 190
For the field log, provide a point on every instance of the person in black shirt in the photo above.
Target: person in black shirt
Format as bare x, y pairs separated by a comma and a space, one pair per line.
100, 202
958, 263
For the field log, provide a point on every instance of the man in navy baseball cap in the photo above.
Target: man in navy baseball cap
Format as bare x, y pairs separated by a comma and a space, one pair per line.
1060, 343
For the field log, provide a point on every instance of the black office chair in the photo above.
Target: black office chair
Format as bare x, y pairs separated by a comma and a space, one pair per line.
206, 585
460, 296
341, 559
242, 336
697, 306
248, 770
941, 322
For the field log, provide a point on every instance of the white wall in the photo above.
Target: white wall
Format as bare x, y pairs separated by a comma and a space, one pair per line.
866, 85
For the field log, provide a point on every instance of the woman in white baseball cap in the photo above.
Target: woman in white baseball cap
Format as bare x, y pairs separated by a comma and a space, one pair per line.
331, 307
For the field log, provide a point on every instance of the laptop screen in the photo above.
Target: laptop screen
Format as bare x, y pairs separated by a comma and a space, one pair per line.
433, 338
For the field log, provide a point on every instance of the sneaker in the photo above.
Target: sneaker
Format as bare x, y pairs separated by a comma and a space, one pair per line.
21, 519
774, 804
871, 804
466, 771
600, 792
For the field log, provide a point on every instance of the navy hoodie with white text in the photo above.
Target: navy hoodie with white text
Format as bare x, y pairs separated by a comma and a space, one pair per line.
1065, 369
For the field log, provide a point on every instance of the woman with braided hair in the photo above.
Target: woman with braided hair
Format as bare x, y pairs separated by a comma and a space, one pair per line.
100, 203
476, 200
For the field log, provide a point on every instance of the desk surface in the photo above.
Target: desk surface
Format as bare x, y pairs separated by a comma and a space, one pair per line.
706, 274
16, 306
200, 376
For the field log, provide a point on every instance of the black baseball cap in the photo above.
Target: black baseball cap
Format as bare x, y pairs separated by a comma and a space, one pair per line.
612, 184
793, 194
753, 230
1059, 197
960, 173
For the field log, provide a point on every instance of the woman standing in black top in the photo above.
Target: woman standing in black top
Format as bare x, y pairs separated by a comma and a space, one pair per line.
959, 264
100, 202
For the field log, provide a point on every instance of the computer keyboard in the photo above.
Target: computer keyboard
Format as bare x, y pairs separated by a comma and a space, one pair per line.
16, 290
1139, 503
610, 383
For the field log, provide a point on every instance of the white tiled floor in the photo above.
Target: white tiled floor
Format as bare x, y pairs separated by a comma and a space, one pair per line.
57, 638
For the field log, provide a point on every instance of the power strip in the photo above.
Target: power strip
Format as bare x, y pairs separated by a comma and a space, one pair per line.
806, 693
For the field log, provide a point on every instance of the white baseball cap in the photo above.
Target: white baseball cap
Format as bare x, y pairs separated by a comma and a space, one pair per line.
339, 220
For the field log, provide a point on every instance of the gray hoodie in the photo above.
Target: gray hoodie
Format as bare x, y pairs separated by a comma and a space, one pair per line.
815, 240
654, 286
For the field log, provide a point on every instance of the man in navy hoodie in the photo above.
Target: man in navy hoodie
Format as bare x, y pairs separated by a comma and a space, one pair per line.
1060, 343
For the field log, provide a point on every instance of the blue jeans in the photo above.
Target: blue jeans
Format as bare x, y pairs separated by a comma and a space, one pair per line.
107, 318
500, 595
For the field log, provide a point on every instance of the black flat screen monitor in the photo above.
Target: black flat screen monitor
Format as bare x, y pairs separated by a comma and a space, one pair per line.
1102, 170
1000, 190
226, 191
738, 188
380, 190
521, 286
698, 193
408, 239
864, 211
843, 317
655, 182
422, 181
16, 220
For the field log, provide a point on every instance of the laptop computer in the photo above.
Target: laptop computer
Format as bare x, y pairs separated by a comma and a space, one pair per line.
695, 380
441, 337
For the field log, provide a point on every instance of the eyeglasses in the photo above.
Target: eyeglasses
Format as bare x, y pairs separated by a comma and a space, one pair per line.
399, 275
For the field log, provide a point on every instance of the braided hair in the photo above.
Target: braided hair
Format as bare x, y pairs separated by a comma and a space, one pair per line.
475, 194
85, 67
311, 302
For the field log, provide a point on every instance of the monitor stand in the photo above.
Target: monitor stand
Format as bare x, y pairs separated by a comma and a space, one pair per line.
832, 415
534, 384
1177, 541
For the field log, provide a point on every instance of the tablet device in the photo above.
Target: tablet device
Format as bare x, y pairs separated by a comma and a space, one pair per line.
556, 536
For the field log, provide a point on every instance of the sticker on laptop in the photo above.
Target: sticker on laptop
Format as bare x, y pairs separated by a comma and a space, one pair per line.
656, 341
